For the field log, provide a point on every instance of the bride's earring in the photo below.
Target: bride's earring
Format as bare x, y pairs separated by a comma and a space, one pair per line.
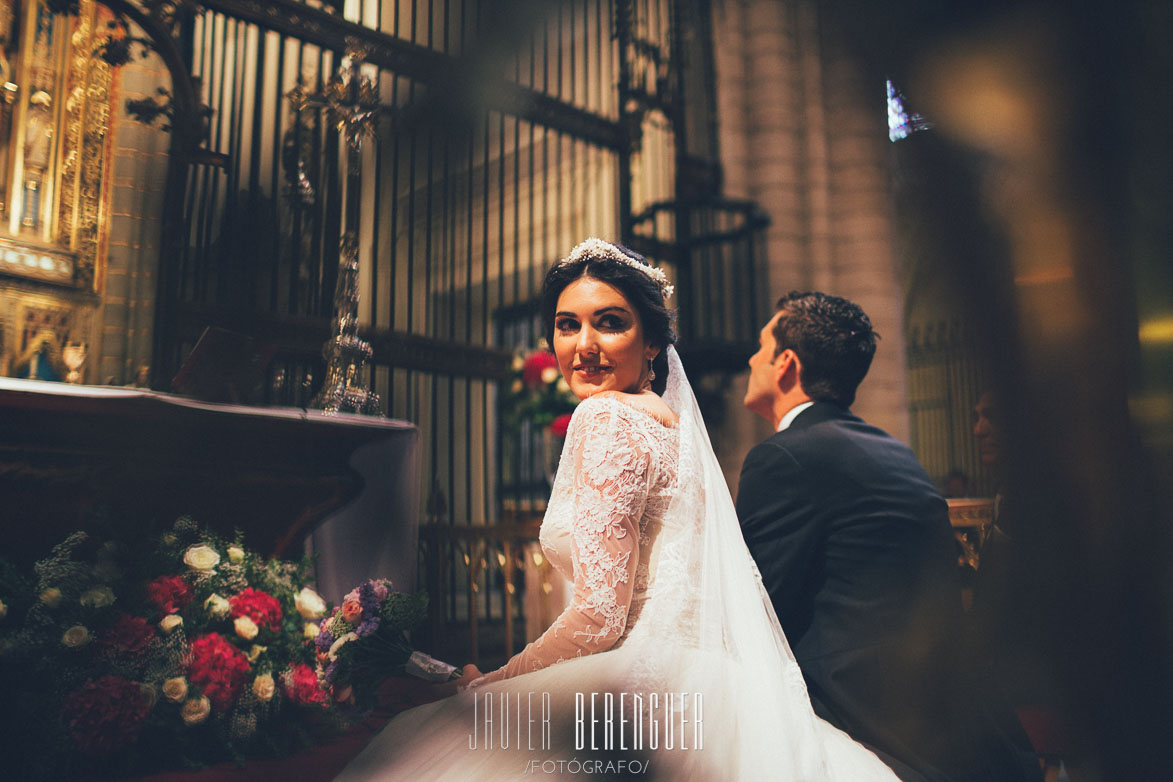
651, 372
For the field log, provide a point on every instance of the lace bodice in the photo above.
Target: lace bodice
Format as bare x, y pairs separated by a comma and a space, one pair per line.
615, 479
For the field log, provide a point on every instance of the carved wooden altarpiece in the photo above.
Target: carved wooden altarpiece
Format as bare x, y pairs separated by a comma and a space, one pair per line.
55, 104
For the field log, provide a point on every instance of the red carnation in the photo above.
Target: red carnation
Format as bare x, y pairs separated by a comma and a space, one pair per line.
531, 372
169, 594
219, 668
560, 425
105, 715
129, 634
258, 606
301, 686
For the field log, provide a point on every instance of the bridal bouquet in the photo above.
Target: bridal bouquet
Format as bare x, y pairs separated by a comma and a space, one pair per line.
539, 393
173, 650
364, 642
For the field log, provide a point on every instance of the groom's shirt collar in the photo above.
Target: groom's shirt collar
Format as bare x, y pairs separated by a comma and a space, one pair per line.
788, 419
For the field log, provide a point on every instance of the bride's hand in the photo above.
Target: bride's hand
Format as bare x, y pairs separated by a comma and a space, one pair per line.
453, 686
469, 673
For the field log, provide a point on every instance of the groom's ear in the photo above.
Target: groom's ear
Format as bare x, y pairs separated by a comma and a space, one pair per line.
787, 368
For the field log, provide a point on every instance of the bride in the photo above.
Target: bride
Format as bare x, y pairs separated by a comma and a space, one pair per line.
669, 661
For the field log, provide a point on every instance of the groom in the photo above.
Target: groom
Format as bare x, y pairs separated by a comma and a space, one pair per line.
855, 548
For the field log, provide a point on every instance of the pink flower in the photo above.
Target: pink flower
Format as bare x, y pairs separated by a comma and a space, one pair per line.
380, 590
352, 611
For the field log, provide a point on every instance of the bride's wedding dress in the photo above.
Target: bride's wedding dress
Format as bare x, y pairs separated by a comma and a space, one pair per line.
669, 653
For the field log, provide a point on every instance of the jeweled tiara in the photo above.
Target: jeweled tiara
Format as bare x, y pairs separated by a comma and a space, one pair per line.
597, 248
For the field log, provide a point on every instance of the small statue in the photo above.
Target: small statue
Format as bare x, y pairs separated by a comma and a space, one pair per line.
38, 141
41, 360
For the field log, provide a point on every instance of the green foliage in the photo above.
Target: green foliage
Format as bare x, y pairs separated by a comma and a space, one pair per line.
406, 612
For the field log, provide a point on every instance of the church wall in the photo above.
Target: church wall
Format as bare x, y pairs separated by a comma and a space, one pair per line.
138, 176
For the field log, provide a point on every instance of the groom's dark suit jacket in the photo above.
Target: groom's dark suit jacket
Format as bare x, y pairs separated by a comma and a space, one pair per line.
855, 548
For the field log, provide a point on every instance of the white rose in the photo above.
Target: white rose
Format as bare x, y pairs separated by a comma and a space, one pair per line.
235, 555
311, 631
175, 690
310, 604
201, 557
340, 643
255, 652
98, 597
150, 692
76, 636
549, 375
196, 710
170, 622
51, 597
216, 606
245, 627
264, 687
563, 386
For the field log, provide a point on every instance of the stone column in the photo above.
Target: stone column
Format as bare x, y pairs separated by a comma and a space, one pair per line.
803, 132
138, 172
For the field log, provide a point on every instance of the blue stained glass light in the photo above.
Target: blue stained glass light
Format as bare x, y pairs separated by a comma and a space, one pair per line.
901, 124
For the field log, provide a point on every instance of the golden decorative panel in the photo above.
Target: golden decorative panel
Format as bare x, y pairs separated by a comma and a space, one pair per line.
84, 150
54, 116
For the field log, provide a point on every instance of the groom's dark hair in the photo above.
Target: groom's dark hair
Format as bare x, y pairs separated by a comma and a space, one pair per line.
834, 342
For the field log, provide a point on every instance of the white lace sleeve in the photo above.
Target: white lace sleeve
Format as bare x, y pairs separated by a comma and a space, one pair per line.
611, 469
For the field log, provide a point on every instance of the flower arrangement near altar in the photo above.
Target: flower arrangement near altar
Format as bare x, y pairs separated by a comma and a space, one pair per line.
538, 393
172, 650
364, 642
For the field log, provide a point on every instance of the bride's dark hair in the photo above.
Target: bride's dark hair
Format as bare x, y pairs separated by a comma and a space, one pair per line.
638, 288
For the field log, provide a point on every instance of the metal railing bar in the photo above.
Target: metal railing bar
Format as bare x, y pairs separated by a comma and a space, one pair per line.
422, 64
304, 336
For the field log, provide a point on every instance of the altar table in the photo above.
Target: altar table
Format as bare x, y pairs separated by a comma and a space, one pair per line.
344, 486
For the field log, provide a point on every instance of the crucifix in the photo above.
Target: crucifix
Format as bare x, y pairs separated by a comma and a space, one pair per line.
351, 103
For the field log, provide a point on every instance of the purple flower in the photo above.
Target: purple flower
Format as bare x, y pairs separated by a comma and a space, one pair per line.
324, 641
